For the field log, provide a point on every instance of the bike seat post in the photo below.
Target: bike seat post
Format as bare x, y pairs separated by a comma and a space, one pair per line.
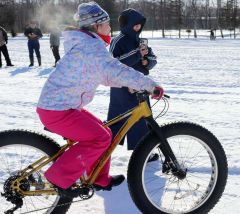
70, 142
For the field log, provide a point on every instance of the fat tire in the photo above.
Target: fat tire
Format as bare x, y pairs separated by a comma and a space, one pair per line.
143, 149
43, 143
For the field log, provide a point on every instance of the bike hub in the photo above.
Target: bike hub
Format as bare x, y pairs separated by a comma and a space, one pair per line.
181, 174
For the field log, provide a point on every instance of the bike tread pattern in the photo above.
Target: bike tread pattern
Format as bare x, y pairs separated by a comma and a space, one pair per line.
144, 147
42, 142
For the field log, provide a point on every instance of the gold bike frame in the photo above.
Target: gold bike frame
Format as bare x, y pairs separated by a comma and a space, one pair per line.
133, 115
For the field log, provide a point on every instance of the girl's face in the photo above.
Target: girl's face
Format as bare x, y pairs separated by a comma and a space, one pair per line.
137, 27
103, 28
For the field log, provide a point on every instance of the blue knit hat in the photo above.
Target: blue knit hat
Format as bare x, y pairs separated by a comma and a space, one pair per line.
90, 13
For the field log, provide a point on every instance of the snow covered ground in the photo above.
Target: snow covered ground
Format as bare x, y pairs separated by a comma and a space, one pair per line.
201, 76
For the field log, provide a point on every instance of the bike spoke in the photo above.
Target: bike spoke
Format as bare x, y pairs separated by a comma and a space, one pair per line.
169, 193
14, 158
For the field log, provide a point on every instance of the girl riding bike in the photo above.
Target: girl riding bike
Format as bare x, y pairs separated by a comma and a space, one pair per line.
189, 176
85, 65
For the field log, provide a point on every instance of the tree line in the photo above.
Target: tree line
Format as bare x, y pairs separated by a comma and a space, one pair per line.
161, 15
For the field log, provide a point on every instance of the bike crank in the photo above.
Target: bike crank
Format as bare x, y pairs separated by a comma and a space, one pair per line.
11, 194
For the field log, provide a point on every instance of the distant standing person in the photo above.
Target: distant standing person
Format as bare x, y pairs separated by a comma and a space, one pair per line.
212, 36
33, 34
3, 47
55, 34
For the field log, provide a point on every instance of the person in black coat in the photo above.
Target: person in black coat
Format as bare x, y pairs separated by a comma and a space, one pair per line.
212, 36
3, 47
55, 34
33, 34
127, 48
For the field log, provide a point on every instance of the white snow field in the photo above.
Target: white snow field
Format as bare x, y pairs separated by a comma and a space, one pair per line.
201, 76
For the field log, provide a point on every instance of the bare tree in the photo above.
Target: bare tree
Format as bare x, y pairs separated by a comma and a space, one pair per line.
163, 8
219, 17
161, 14
176, 6
194, 15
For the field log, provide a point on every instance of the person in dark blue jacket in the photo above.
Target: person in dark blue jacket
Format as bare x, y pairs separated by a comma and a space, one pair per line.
33, 34
3, 47
127, 48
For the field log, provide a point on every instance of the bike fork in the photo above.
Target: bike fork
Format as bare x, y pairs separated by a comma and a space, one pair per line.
164, 146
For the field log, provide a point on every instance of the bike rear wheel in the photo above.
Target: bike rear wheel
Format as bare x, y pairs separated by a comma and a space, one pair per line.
19, 149
156, 189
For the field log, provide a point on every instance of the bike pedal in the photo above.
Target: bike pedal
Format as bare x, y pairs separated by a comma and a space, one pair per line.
73, 192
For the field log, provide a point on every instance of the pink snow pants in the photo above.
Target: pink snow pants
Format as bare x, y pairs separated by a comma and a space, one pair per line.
93, 139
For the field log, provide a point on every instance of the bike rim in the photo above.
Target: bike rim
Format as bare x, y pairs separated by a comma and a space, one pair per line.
168, 193
14, 158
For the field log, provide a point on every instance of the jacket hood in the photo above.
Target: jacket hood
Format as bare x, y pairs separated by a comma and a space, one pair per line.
75, 37
133, 18
71, 39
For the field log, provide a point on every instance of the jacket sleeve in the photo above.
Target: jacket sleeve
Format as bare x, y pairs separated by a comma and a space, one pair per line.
5, 36
115, 74
130, 58
51, 40
26, 32
151, 58
39, 33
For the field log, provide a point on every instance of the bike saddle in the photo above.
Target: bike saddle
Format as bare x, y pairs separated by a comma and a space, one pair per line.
46, 129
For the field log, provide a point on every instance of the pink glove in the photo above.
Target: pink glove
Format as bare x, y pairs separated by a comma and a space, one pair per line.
157, 93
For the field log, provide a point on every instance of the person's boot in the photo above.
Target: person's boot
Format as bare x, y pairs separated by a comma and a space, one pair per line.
153, 157
10, 65
116, 181
31, 62
8, 61
39, 61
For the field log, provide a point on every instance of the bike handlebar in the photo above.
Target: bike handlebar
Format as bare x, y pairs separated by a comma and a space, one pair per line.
157, 92
167, 96
142, 95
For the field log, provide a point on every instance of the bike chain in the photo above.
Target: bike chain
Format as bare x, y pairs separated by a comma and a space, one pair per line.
60, 205
83, 198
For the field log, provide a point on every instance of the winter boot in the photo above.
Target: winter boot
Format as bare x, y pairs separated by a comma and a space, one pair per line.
31, 62
9, 64
116, 180
153, 157
39, 61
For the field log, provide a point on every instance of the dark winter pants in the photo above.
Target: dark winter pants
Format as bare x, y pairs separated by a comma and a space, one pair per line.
55, 50
4, 51
121, 101
33, 45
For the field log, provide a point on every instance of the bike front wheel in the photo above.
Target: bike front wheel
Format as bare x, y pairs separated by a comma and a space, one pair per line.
156, 189
18, 150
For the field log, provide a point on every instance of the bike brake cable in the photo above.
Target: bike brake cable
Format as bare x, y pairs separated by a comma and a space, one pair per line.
164, 110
